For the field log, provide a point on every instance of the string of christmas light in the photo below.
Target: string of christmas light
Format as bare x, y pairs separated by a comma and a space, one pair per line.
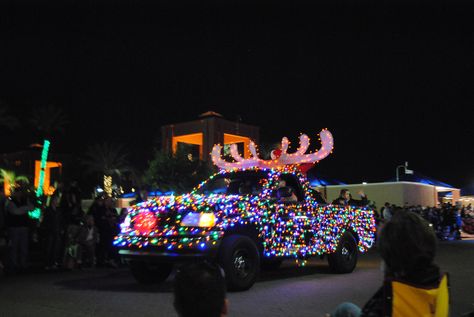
296, 230
299, 157
108, 185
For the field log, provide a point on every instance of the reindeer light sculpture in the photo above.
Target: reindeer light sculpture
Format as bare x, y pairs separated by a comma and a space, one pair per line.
299, 157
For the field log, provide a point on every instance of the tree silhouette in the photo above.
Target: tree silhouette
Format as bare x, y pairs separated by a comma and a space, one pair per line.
48, 120
105, 159
6, 120
175, 172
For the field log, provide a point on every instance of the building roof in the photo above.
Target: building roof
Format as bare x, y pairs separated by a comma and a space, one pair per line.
420, 178
210, 114
317, 179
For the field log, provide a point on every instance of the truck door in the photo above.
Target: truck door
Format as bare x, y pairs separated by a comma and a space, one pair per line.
292, 222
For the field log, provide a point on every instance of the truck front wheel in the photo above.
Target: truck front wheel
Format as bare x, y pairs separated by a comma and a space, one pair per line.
344, 260
240, 259
150, 273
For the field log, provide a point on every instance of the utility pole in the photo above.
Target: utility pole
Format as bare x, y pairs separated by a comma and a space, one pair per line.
406, 170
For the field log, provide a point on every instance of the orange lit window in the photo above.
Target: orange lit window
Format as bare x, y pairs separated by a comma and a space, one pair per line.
232, 138
194, 138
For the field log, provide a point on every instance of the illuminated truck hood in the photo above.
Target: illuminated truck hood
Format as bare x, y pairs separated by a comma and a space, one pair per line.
164, 213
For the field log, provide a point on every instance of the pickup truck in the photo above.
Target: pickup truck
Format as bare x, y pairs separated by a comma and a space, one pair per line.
241, 219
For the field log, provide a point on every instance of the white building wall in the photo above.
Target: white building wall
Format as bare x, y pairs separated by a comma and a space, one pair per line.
398, 193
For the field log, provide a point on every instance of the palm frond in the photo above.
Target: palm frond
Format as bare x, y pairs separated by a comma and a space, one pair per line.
105, 158
22, 179
49, 119
11, 177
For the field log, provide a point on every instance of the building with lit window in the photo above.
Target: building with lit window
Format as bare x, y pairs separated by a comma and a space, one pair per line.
199, 136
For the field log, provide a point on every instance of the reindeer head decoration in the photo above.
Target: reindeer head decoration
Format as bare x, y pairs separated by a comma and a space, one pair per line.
299, 157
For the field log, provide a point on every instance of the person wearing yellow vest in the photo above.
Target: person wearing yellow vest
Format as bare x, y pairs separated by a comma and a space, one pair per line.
413, 284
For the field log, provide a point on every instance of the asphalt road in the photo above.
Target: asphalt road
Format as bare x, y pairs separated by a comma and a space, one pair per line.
289, 291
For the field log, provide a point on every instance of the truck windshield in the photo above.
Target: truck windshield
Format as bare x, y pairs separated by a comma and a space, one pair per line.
237, 183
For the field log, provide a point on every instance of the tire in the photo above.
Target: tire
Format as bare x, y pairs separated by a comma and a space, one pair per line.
150, 273
344, 260
271, 264
240, 259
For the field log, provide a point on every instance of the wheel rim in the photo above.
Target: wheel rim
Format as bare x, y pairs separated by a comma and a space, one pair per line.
347, 252
242, 263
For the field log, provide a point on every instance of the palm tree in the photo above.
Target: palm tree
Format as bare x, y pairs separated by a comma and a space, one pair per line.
108, 160
175, 172
48, 120
9, 179
7, 120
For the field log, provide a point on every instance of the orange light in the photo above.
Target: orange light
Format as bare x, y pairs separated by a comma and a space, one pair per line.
47, 188
232, 138
194, 138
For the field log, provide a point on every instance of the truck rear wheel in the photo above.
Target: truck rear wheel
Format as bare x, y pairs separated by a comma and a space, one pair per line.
150, 273
344, 260
240, 259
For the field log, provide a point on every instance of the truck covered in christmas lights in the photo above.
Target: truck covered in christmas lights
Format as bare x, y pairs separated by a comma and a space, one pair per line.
244, 219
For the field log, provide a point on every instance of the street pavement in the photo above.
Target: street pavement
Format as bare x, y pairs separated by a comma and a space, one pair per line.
288, 291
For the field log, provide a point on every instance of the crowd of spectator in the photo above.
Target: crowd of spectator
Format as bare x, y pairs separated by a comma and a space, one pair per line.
447, 220
65, 236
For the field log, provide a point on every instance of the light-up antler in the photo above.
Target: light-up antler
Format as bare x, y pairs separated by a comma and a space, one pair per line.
299, 157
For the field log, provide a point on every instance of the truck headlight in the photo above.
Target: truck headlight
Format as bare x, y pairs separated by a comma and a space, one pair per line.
203, 219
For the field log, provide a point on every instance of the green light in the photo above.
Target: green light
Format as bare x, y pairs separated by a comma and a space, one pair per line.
44, 159
35, 214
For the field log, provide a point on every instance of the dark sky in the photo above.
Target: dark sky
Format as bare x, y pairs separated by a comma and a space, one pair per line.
394, 82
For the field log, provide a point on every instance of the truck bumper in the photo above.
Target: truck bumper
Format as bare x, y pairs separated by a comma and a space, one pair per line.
169, 255
165, 256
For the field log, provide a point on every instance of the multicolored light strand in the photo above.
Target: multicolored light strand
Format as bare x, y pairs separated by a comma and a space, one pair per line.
295, 230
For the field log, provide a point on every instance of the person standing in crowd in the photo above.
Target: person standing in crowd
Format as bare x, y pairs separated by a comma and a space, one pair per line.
51, 226
3, 231
106, 219
97, 211
16, 209
111, 229
87, 240
200, 291
387, 212
413, 284
71, 204
74, 221
345, 199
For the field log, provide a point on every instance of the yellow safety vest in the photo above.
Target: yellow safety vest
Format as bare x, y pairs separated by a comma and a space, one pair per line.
412, 301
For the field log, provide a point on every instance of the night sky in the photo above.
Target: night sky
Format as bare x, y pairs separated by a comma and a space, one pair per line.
392, 82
